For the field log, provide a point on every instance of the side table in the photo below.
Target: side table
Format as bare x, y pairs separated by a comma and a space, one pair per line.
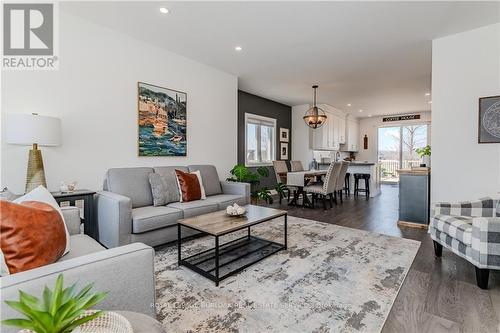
89, 226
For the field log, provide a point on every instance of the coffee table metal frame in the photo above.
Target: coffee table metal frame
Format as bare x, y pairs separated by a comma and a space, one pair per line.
217, 249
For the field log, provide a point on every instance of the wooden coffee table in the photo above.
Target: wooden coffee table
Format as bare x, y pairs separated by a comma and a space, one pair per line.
229, 258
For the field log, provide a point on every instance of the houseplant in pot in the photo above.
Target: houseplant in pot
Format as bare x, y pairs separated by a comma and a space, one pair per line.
60, 310
425, 154
241, 173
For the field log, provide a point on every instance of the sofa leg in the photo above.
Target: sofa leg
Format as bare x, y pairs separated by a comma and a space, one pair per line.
438, 249
482, 276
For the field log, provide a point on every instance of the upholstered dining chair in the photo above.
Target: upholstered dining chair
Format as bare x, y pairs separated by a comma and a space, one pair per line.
296, 166
279, 168
326, 189
339, 187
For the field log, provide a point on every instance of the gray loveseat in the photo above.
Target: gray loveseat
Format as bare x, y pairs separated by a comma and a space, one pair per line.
116, 270
125, 211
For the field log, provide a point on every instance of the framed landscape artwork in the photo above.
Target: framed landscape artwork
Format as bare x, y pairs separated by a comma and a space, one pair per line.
162, 121
489, 120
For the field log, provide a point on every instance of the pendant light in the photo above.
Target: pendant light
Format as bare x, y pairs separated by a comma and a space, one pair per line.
315, 117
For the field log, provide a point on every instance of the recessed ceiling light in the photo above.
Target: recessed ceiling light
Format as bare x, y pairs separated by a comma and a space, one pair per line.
427, 94
369, 115
360, 110
430, 102
349, 104
164, 10
238, 48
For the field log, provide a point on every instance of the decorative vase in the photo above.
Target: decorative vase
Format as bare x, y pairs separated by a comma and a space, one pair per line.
426, 160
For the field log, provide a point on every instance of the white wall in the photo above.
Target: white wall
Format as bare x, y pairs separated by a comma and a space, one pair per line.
300, 139
465, 67
369, 126
95, 94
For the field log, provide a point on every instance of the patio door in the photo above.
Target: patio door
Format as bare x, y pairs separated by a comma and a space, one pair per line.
396, 149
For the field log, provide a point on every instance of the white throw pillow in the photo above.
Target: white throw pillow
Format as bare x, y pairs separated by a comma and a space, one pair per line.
202, 189
43, 195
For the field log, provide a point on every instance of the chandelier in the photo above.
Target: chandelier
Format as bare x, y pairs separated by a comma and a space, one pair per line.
315, 117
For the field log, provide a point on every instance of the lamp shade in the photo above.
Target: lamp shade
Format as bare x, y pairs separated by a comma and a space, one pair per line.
27, 129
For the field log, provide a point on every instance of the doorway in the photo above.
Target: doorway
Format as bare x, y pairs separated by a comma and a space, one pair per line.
396, 149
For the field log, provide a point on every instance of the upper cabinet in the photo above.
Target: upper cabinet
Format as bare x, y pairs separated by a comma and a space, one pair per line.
352, 136
329, 136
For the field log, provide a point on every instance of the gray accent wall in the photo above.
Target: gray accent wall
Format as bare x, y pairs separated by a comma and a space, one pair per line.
248, 103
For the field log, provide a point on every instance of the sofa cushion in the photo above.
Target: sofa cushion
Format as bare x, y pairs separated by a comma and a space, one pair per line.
195, 208
132, 183
209, 177
151, 218
458, 227
224, 200
167, 174
82, 245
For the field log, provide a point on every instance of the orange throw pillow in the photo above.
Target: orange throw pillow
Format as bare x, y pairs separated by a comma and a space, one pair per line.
189, 186
32, 234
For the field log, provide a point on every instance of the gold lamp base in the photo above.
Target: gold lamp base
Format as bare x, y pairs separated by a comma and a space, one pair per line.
35, 176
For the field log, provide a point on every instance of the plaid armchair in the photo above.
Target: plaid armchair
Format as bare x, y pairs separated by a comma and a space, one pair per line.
471, 230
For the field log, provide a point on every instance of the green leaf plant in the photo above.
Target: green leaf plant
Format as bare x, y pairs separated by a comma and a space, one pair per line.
57, 311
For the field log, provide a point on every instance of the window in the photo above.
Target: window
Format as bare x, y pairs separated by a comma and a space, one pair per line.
260, 134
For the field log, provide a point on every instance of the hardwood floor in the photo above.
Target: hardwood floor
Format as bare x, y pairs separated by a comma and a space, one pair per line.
439, 294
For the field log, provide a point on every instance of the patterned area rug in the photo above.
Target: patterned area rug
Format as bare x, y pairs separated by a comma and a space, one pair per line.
330, 279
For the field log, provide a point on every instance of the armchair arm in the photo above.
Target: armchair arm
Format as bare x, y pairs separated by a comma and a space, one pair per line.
114, 218
72, 219
236, 188
126, 273
484, 207
486, 242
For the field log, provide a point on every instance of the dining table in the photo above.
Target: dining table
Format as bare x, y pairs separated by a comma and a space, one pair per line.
299, 180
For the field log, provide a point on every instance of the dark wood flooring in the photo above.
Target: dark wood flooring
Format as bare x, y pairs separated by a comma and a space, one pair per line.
439, 294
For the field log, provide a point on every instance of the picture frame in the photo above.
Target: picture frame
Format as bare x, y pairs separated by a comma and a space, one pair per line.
489, 120
284, 151
284, 134
161, 121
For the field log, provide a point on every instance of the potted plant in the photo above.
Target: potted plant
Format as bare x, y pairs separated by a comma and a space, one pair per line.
59, 311
240, 173
425, 154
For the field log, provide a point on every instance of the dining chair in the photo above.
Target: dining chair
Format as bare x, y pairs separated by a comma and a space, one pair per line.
326, 189
339, 187
280, 167
296, 166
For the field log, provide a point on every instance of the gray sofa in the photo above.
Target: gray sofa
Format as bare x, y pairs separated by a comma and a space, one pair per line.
125, 211
116, 270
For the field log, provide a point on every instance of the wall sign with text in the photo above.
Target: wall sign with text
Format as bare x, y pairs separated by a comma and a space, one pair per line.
400, 118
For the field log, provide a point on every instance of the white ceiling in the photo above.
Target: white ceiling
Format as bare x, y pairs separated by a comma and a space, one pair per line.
374, 55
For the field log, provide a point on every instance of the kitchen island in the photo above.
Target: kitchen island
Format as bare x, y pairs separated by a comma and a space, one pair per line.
371, 168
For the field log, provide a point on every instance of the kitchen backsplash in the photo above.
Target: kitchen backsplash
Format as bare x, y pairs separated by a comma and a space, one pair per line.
318, 154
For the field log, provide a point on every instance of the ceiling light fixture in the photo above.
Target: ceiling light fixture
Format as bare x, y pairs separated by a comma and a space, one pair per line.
238, 48
427, 94
349, 104
164, 10
370, 115
315, 117
360, 110
430, 102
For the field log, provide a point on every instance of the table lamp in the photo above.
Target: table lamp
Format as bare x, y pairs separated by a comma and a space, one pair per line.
33, 129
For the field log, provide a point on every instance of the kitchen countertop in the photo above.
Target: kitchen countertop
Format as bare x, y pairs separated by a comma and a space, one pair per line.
352, 163
414, 171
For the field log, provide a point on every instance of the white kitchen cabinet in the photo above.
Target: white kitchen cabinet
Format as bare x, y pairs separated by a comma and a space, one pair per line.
352, 136
330, 135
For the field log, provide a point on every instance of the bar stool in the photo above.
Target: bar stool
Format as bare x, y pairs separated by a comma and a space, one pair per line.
347, 186
366, 177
